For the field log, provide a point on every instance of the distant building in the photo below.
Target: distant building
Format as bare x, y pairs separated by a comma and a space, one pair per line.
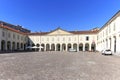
18, 38
16, 27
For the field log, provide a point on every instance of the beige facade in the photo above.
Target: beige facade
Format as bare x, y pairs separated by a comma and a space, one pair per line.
108, 37
11, 40
61, 40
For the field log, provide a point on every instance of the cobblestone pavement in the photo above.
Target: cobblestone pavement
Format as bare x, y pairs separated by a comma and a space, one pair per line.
59, 66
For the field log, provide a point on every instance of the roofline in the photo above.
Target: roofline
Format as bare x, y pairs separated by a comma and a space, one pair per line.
111, 19
11, 29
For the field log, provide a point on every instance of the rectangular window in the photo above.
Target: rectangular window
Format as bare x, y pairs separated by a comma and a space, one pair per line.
114, 27
3, 34
52, 39
87, 38
18, 37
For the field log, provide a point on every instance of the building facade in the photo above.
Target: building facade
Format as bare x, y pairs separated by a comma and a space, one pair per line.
12, 39
107, 37
61, 40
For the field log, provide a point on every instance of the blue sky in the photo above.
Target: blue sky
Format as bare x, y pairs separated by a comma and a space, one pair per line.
46, 15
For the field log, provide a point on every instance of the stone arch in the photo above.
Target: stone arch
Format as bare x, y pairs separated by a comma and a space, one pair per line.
52, 47
38, 45
21, 45
58, 47
3, 45
13, 45
93, 46
18, 46
86, 47
43, 45
75, 46
8, 45
81, 47
69, 46
47, 47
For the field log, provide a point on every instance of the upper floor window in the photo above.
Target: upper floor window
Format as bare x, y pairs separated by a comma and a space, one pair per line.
13, 36
52, 39
87, 38
63, 39
47, 39
109, 29
18, 37
9, 35
114, 27
69, 39
3, 34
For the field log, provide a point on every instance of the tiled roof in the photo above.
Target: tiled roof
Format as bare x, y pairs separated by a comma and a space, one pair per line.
84, 32
38, 33
11, 29
74, 32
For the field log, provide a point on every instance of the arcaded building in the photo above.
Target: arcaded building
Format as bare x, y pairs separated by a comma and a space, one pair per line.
107, 37
62, 40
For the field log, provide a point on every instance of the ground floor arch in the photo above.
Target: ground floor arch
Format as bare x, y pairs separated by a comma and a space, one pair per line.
81, 47
8, 45
69, 46
86, 47
47, 47
3, 45
93, 47
58, 47
43, 47
52, 47
75, 46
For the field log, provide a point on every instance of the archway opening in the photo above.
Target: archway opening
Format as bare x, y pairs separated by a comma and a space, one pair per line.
93, 46
53, 47
80, 47
75, 46
47, 47
58, 47
69, 46
3, 45
42, 49
86, 47
8, 45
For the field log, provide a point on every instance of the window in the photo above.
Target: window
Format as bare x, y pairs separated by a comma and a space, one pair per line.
47, 39
3, 34
63, 39
69, 39
13, 36
58, 39
52, 39
87, 38
109, 29
114, 27
9, 35
18, 37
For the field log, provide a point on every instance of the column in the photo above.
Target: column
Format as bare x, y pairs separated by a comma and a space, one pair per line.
89, 47
45, 47
83, 47
55, 47
72, 46
50, 46
0, 45
77, 47
66, 47
60, 47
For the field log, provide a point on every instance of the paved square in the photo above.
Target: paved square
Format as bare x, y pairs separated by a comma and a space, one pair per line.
59, 66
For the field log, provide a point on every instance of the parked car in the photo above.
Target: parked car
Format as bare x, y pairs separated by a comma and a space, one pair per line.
72, 50
106, 52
